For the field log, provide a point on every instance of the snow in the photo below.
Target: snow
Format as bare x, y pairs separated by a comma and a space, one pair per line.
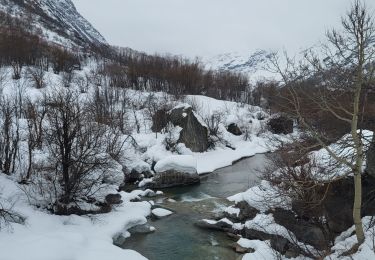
51, 237
347, 240
261, 197
222, 157
160, 212
232, 211
179, 163
263, 250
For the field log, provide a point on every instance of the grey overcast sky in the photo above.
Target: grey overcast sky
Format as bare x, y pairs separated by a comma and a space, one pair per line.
209, 27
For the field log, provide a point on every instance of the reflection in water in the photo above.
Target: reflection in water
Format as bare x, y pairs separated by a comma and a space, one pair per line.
177, 237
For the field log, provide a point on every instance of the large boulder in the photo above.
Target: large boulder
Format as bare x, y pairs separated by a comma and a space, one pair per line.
281, 124
338, 205
176, 170
234, 129
304, 231
194, 133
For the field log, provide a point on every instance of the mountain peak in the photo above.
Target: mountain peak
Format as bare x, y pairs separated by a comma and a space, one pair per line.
57, 20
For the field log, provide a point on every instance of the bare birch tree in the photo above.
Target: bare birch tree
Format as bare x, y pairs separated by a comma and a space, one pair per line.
334, 84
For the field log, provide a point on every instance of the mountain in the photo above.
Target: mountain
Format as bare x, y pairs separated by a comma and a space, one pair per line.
253, 64
57, 21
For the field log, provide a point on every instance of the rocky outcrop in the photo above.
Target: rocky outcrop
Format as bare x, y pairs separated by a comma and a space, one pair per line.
280, 124
339, 202
113, 199
304, 231
175, 170
194, 133
246, 212
173, 178
234, 129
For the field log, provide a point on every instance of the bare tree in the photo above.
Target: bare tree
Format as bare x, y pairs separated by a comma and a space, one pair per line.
37, 74
77, 147
336, 87
35, 114
9, 135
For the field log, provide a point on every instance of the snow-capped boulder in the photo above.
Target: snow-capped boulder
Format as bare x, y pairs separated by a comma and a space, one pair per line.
179, 163
194, 133
160, 213
175, 170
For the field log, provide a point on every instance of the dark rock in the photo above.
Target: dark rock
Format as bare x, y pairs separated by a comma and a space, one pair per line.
281, 124
136, 199
247, 212
136, 175
242, 250
371, 158
113, 199
142, 229
233, 236
193, 134
173, 178
339, 202
234, 129
219, 225
304, 231
278, 242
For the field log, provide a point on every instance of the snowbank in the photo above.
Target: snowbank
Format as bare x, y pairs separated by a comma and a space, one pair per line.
179, 163
51, 237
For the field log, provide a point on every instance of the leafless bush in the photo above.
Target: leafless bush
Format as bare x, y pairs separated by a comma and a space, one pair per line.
109, 106
82, 83
37, 75
3, 79
8, 215
9, 135
77, 160
35, 113
67, 78
17, 70
213, 123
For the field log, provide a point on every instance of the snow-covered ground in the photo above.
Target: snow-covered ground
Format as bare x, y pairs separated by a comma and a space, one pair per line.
45, 236
49, 237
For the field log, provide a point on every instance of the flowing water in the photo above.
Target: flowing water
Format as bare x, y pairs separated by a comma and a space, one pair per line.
176, 237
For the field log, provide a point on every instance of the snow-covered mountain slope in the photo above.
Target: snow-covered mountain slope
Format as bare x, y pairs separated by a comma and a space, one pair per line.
251, 64
57, 20
237, 62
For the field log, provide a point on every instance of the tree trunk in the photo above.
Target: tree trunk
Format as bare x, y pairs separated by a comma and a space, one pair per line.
357, 208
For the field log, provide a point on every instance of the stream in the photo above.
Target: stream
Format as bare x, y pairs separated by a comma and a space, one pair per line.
176, 237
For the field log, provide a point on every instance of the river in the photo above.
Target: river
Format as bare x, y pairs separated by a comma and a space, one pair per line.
176, 237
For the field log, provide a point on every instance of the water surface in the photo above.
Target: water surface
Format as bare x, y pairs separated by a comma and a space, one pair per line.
177, 237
